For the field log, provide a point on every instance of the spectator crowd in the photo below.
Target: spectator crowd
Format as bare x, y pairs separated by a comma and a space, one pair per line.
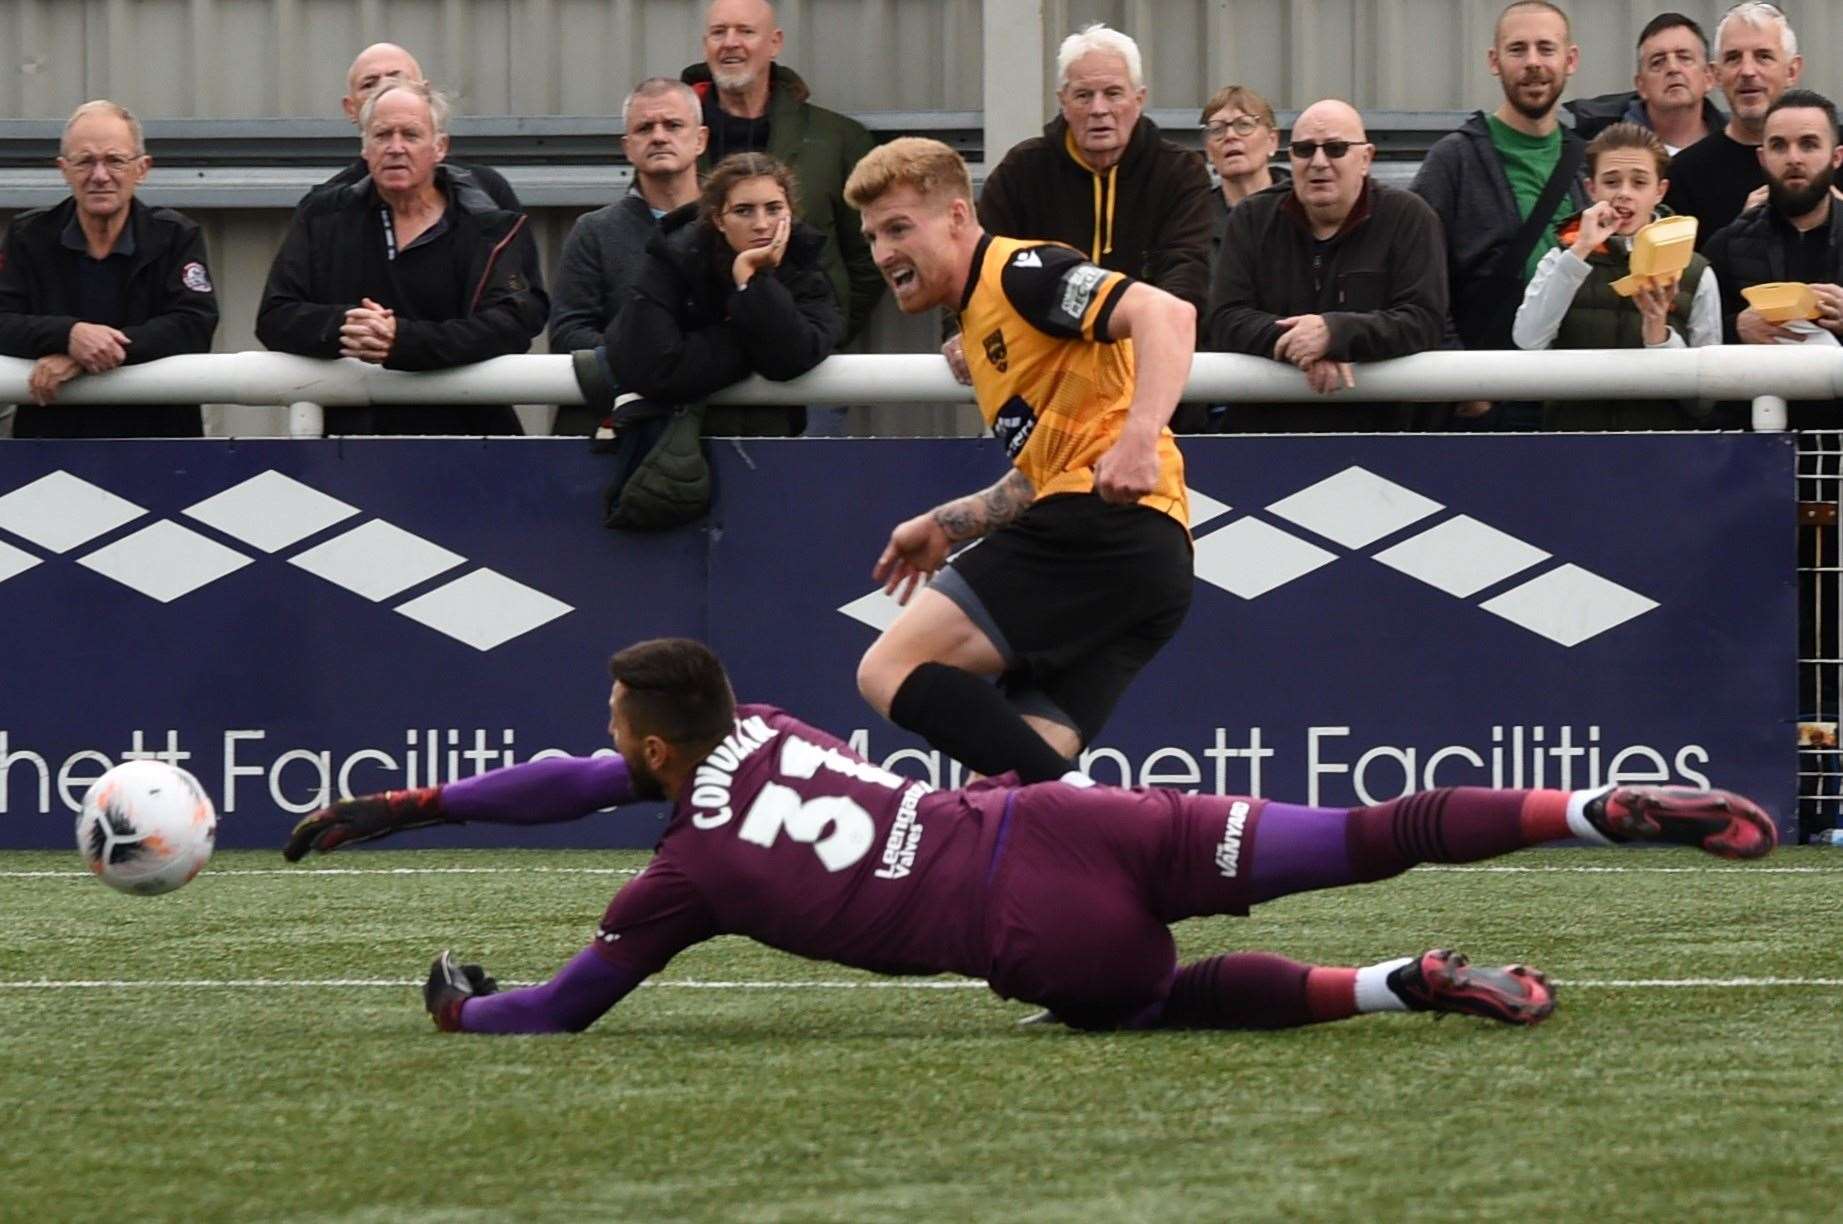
735, 253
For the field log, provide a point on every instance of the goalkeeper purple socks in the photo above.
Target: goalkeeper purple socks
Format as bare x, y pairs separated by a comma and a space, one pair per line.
570, 1002
540, 792
1298, 849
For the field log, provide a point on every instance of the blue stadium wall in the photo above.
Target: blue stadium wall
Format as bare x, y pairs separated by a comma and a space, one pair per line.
1372, 614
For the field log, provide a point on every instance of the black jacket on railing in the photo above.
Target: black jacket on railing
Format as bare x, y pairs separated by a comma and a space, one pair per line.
687, 331
168, 307
464, 291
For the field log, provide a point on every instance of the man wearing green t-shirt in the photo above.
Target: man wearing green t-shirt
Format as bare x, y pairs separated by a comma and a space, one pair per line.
1486, 178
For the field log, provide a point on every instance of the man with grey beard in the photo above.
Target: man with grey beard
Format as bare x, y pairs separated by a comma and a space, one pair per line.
754, 105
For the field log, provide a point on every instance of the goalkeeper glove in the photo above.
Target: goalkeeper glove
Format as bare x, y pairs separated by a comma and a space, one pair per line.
364, 818
451, 985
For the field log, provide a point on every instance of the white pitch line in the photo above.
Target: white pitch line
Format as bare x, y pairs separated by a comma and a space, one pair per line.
305, 873
1590, 870
1735, 983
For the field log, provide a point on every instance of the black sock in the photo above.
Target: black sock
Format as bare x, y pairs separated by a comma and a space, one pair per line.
971, 721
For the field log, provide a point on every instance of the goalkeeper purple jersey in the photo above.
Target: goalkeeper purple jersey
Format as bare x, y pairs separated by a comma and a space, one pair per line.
785, 835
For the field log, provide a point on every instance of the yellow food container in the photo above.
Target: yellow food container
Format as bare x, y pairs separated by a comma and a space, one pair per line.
1663, 247
1782, 301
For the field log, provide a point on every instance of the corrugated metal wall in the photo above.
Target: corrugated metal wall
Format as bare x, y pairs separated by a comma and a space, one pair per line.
222, 58
245, 58
1389, 54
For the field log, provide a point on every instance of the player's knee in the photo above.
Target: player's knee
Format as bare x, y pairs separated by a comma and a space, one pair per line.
879, 676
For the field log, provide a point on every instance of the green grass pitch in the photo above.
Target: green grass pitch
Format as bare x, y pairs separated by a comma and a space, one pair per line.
1694, 1069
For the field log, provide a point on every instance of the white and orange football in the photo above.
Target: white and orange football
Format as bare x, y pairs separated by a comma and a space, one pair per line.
146, 827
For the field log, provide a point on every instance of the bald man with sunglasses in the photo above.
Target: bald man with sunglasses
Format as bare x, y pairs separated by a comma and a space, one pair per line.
1330, 270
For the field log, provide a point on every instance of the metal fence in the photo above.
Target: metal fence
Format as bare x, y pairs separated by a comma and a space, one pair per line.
1820, 651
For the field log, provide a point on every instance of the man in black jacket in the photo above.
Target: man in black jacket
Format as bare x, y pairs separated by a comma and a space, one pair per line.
1673, 80
411, 268
101, 281
1794, 236
1329, 269
1102, 180
376, 65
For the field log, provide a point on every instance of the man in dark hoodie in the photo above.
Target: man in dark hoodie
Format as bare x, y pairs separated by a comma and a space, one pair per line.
1102, 180
754, 105
605, 249
1672, 81
1486, 180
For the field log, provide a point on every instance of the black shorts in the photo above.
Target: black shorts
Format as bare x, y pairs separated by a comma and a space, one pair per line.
1077, 594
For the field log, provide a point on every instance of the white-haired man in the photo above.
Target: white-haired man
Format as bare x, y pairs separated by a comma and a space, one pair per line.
377, 65
411, 268
1102, 180
1756, 60
102, 280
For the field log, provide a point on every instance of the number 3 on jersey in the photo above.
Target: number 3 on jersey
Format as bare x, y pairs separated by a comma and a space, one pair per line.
779, 809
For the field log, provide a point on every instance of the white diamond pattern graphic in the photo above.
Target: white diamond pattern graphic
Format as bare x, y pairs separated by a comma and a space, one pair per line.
1355, 507
377, 560
270, 511
1203, 508
1461, 556
60, 511
14, 561
484, 609
876, 609
1569, 605
1250, 558
164, 561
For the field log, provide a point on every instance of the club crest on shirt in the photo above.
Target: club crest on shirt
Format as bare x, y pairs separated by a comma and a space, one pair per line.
995, 351
194, 277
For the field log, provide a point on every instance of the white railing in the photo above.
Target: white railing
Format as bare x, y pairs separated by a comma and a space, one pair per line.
1766, 376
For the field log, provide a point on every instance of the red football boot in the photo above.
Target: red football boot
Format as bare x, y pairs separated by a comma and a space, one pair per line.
1445, 981
1720, 822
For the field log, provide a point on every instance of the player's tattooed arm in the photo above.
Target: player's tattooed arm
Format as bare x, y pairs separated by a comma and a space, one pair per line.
979, 514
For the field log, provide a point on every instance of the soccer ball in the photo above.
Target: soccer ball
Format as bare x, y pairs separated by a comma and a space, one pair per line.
146, 827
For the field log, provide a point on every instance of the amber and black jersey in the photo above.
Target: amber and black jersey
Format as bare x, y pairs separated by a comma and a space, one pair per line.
1051, 381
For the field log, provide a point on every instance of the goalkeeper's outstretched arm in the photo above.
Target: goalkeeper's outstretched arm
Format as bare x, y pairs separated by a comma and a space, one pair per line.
463, 999
538, 792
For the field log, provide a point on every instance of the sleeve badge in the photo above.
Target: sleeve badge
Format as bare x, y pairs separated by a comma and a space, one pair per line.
195, 278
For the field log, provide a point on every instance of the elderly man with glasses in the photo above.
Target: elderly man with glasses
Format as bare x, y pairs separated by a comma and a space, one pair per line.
102, 280
1338, 270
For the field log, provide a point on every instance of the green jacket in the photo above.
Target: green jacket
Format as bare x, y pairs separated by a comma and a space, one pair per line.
821, 146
